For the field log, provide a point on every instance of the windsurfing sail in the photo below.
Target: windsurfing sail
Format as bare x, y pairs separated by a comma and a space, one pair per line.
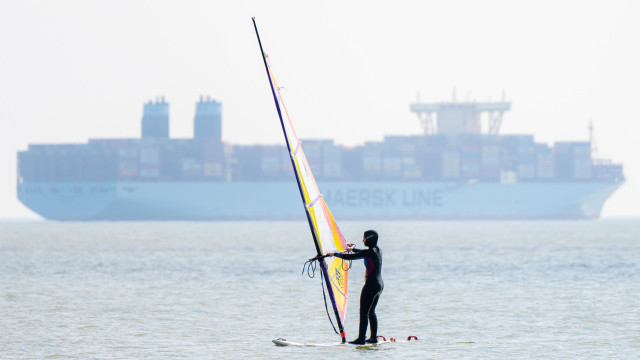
324, 230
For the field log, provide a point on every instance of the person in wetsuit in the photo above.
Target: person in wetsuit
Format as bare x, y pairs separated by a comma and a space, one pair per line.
373, 284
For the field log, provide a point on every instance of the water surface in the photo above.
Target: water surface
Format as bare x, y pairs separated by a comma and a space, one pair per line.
481, 290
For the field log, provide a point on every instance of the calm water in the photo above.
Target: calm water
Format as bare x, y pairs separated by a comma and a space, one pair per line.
481, 290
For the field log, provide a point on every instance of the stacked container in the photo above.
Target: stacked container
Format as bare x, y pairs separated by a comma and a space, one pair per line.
213, 159
332, 161
189, 157
171, 164
128, 154
392, 166
450, 165
470, 161
149, 160
563, 160
400, 159
431, 156
582, 160
456, 156
607, 171
95, 157
270, 162
352, 163
39, 159
490, 162
544, 157
431, 162
526, 155
245, 163
372, 160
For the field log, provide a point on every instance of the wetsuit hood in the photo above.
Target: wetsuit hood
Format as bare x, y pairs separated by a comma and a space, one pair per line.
370, 238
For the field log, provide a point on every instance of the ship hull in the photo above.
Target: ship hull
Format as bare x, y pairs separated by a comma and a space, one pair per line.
135, 201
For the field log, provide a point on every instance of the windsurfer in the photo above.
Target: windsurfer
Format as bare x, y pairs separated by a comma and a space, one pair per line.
373, 284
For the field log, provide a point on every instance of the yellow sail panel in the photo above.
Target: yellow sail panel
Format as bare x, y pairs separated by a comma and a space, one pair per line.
312, 215
338, 277
336, 269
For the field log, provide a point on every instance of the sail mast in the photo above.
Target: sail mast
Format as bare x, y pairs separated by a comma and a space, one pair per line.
323, 267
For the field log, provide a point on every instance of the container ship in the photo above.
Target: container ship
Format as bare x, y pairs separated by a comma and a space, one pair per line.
460, 168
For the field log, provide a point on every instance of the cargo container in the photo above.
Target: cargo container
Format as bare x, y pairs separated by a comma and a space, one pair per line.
450, 164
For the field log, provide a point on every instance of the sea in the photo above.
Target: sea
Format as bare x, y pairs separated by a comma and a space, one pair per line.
225, 290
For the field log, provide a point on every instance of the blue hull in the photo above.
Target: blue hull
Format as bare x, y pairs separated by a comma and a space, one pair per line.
281, 200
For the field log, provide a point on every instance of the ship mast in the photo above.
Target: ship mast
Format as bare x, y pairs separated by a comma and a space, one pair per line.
592, 139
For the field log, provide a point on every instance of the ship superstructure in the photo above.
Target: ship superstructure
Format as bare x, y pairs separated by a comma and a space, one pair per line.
461, 168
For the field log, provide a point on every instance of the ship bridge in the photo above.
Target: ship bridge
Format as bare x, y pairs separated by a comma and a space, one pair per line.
456, 118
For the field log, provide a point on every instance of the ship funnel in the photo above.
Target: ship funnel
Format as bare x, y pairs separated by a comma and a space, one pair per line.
155, 119
207, 123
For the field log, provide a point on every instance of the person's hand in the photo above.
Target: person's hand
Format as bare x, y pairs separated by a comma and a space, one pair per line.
350, 247
331, 253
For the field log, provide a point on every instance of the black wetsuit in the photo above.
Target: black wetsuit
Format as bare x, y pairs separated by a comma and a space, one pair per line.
372, 288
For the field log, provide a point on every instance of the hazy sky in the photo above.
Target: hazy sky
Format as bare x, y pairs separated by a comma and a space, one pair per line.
75, 70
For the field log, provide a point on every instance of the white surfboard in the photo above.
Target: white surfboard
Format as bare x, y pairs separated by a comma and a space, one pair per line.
284, 342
